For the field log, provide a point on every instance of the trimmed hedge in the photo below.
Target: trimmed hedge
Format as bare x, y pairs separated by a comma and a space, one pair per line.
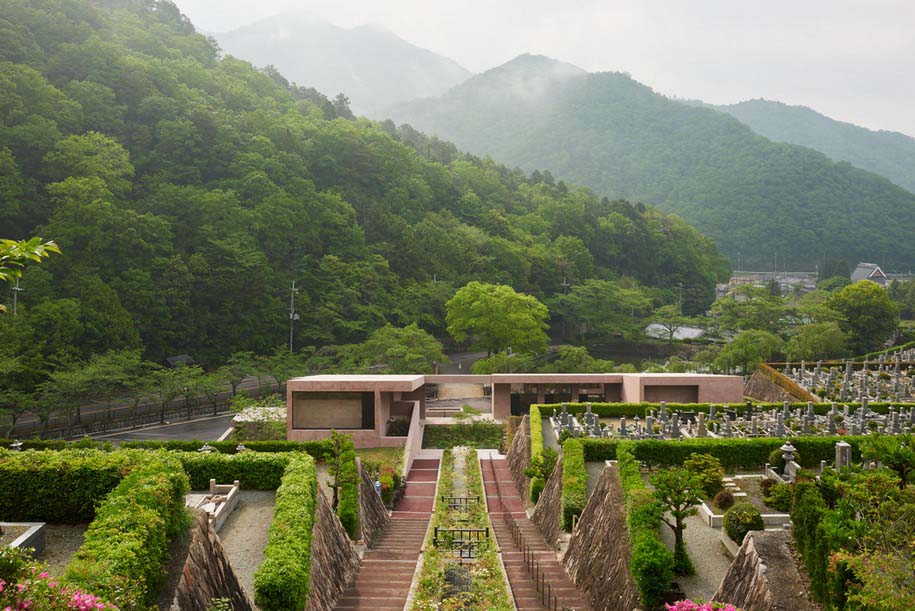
348, 494
741, 519
651, 564
253, 470
471, 434
60, 486
126, 547
536, 425
574, 482
283, 579
733, 453
320, 450
631, 410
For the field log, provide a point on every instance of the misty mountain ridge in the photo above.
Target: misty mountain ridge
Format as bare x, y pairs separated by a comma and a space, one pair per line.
888, 153
369, 64
606, 130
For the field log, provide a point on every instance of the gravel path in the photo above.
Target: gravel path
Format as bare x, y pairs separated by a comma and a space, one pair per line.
709, 556
244, 535
62, 541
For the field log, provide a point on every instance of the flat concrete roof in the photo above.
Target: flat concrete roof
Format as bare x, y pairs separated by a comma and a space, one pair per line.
357, 383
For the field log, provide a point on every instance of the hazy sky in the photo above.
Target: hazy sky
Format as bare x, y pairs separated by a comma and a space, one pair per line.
853, 60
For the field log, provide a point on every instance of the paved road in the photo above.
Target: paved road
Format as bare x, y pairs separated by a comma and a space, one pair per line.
204, 429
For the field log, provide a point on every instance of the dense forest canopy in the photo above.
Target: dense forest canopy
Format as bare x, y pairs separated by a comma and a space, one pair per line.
187, 190
889, 154
778, 205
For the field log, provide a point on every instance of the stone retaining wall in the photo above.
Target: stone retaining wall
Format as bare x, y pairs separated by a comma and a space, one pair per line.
206, 573
373, 517
519, 458
764, 576
334, 561
548, 512
597, 558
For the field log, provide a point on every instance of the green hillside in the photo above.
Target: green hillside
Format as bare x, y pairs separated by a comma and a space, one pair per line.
775, 204
889, 154
187, 191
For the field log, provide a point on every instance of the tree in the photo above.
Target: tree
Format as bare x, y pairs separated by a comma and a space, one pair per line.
495, 318
605, 308
834, 268
671, 319
395, 350
15, 255
238, 366
679, 491
896, 452
576, 359
751, 307
747, 350
816, 341
870, 316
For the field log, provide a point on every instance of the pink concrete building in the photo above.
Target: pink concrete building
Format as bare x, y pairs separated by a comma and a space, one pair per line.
363, 405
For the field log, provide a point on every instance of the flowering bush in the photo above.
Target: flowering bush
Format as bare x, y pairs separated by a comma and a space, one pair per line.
31, 588
688, 605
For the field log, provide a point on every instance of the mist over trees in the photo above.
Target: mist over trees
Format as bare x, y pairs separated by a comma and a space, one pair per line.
777, 205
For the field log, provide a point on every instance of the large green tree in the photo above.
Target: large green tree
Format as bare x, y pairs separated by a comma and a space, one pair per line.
494, 318
870, 317
747, 350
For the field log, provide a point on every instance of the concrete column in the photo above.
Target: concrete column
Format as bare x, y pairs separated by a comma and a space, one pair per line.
541, 394
380, 421
501, 401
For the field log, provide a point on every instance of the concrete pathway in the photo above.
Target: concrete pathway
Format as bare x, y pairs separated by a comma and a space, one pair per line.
387, 569
502, 498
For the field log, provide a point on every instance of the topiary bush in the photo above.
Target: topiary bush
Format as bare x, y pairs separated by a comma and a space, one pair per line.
708, 470
538, 481
741, 519
780, 496
282, 581
652, 569
724, 500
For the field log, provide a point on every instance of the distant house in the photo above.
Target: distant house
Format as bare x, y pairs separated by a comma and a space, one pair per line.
869, 271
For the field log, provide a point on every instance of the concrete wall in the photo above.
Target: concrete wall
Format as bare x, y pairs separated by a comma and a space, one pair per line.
501, 401
326, 410
671, 393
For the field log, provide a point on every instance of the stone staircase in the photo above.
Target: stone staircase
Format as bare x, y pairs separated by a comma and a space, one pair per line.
387, 569
512, 526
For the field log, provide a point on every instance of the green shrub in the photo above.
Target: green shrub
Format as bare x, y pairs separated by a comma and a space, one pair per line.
741, 519
126, 546
651, 563
630, 410
282, 581
708, 470
348, 493
766, 484
652, 569
724, 500
780, 497
253, 470
536, 465
60, 486
574, 482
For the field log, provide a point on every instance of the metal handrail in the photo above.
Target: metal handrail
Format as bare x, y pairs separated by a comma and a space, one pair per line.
544, 588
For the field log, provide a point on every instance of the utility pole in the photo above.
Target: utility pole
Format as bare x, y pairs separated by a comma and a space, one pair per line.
16, 291
680, 298
293, 316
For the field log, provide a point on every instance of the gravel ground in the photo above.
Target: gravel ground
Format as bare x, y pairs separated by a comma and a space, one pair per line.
62, 541
244, 535
709, 556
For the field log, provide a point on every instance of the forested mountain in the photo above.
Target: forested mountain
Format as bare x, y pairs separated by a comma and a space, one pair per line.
187, 191
372, 66
774, 203
889, 154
